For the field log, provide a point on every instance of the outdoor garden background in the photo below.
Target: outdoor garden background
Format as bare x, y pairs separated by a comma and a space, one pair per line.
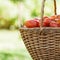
12, 14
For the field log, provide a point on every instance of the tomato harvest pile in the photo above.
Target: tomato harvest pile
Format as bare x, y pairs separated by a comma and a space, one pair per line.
53, 21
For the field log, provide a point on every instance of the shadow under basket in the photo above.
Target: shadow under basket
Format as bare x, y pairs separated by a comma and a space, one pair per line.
44, 45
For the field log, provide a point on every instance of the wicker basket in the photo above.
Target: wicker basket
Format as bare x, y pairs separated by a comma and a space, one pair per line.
42, 43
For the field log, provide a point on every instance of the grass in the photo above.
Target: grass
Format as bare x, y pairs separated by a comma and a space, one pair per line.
12, 46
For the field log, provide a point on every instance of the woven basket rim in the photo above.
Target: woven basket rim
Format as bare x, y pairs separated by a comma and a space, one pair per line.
40, 28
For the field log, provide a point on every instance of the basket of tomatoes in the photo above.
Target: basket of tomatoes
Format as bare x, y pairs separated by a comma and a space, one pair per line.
41, 36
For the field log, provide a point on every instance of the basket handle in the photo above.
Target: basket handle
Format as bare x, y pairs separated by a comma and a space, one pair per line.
42, 11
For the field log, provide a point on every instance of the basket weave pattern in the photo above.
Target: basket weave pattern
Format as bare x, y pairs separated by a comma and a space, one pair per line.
43, 44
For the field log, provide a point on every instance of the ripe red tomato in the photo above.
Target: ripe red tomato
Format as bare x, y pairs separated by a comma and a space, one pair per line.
53, 17
32, 23
46, 22
38, 22
58, 22
53, 24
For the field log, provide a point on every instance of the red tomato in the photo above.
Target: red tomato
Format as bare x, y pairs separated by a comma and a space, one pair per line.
53, 24
38, 23
58, 22
53, 17
46, 22
31, 24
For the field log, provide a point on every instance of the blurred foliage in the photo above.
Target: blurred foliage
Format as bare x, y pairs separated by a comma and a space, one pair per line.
14, 55
17, 1
5, 23
8, 14
35, 13
12, 46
